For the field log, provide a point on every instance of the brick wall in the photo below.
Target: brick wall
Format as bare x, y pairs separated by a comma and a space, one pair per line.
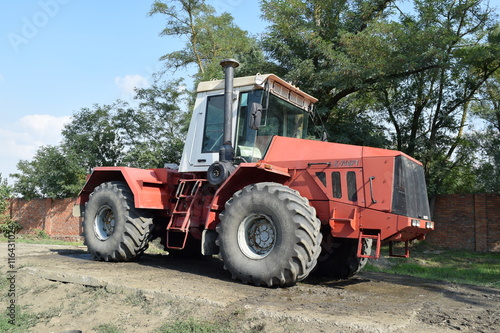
467, 221
470, 222
54, 216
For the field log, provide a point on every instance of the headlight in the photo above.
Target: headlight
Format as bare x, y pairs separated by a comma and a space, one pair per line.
429, 225
415, 223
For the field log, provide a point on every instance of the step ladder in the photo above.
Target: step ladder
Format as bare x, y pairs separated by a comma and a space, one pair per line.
187, 194
372, 235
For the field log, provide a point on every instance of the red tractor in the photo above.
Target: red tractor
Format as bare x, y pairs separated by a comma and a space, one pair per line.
274, 206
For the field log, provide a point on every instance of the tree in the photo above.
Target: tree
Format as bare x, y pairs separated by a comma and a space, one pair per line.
334, 49
155, 132
51, 174
7, 225
414, 73
210, 37
92, 137
429, 110
146, 136
487, 107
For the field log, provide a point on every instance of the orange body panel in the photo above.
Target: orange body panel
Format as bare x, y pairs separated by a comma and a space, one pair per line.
351, 187
312, 165
151, 187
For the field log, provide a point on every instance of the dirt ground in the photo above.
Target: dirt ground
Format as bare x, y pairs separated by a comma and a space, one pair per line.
67, 290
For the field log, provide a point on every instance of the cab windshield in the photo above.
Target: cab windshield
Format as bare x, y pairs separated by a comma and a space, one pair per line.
279, 118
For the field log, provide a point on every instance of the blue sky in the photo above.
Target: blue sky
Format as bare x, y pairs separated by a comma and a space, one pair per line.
58, 56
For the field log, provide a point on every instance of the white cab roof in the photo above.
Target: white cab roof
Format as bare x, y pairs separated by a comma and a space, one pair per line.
276, 85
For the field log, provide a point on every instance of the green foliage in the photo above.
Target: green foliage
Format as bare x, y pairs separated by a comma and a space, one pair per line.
92, 137
51, 174
210, 37
382, 72
8, 226
5, 194
487, 108
147, 136
42, 234
156, 130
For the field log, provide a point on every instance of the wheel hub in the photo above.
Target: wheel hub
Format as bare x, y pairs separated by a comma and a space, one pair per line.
104, 223
256, 236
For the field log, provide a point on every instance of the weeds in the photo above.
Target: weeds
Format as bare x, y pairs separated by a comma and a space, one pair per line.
192, 325
457, 266
107, 328
23, 321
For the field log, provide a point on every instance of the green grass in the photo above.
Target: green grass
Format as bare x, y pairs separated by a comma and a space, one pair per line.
33, 239
193, 326
457, 266
107, 328
23, 321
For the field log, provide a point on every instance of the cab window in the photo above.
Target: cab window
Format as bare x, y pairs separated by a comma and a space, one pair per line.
213, 131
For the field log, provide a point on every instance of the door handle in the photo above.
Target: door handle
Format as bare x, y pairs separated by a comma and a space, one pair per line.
371, 189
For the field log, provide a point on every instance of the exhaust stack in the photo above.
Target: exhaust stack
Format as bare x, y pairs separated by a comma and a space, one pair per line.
219, 171
226, 152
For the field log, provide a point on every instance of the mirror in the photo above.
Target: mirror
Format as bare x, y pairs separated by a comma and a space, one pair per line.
255, 116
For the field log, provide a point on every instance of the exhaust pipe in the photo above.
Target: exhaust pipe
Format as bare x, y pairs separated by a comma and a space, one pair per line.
219, 171
226, 152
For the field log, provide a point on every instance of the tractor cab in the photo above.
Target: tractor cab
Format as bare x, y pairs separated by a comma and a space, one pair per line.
262, 106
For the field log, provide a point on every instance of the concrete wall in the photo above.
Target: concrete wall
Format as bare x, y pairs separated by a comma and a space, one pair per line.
470, 222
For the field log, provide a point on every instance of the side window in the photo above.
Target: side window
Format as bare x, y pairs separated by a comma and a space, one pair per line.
322, 177
337, 188
352, 192
213, 131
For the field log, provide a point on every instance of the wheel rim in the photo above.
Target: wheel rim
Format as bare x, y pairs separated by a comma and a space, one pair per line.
104, 223
256, 236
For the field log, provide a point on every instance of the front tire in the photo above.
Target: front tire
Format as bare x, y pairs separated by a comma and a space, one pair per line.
114, 230
269, 235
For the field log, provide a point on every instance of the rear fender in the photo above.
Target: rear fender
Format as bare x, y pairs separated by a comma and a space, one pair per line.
151, 187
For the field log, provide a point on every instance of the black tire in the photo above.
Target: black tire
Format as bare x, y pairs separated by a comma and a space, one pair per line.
269, 235
339, 259
114, 230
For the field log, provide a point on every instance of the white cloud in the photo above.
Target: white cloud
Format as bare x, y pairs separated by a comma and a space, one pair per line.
44, 128
129, 82
20, 140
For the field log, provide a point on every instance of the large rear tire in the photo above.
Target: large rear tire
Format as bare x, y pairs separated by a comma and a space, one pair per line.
339, 259
114, 230
269, 235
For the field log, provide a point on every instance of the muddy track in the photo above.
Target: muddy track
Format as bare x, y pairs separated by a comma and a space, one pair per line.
172, 287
